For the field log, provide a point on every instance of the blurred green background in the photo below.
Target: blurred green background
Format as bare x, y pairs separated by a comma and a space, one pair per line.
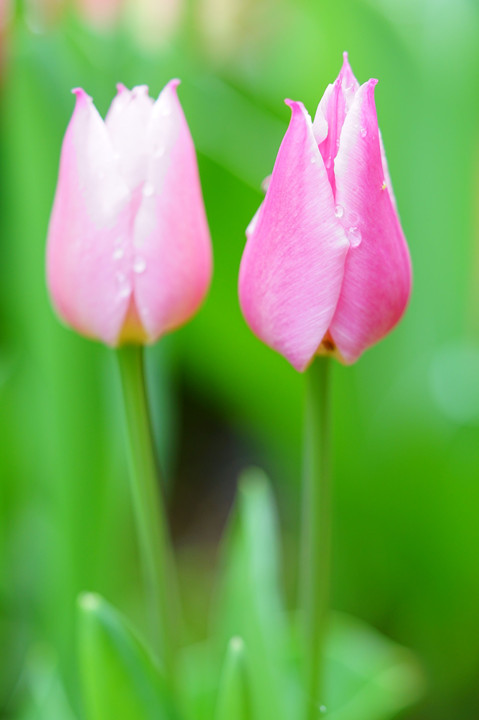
406, 416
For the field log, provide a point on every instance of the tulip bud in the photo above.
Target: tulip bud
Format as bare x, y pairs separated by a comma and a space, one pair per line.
129, 253
326, 268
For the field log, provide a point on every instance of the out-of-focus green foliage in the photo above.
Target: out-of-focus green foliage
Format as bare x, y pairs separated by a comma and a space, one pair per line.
367, 676
234, 694
120, 680
406, 431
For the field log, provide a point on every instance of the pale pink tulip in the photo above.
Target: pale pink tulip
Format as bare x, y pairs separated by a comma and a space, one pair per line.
326, 267
129, 252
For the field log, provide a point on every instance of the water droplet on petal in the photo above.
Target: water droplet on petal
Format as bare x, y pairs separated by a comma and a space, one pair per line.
327, 162
313, 159
118, 253
266, 183
125, 287
339, 211
364, 132
139, 266
125, 290
355, 237
148, 189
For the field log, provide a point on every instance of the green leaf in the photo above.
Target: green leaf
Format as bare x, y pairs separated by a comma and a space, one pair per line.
250, 602
45, 696
120, 679
369, 677
234, 699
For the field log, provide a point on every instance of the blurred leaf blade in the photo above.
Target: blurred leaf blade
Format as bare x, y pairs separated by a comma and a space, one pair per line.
368, 677
120, 680
234, 696
250, 600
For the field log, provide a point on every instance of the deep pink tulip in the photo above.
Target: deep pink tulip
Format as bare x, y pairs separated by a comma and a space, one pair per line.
326, 267
129, 252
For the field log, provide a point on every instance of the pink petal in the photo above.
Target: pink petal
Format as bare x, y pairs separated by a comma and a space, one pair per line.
173, 260
331, 113
292, 266
377, 276
88, 267
126, 122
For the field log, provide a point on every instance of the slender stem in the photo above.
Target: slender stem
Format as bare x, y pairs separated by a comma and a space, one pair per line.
316, 541
153, 535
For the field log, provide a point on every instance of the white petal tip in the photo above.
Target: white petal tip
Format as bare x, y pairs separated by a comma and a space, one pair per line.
140, 90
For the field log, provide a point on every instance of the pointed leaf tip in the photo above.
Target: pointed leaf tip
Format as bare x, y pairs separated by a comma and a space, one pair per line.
236, 645
119, 677
89, 602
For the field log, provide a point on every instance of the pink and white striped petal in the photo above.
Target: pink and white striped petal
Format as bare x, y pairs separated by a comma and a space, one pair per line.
331, 113
292, 267
87, 265
172, 262
377, 275
126, 122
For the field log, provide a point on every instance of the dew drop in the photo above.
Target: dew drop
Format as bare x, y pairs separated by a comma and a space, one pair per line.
125, 287
313, 159
148, 189
265, 184
355, 237
327, 162
364, 132
322, 708
339, 211
125, 290
118, 253
139, 266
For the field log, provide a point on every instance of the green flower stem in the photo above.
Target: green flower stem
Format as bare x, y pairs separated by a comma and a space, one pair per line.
316, 541
152, 528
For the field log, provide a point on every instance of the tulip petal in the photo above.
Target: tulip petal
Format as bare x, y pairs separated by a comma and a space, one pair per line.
377, 276
331, 113
126, 120
88, 267
292, 266
172, 264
